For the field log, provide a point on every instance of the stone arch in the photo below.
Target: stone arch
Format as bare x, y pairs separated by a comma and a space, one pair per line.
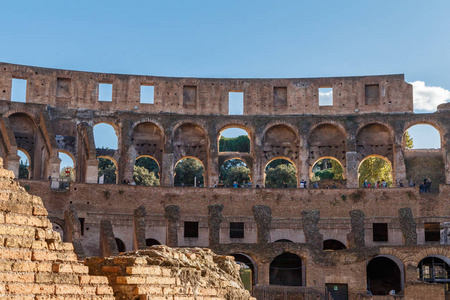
141, 178
236, 125
116, 130
190, 140
149, 156
385, 273
433, 251
438, 126
283, 241
248, 164
29, 163
147, 139
287, 270
284, 158
190, 157
58, 228
375, 138
434, 268
326, 157
247, 259
115, 164
74, 164
281, 140
327, 140
392, 173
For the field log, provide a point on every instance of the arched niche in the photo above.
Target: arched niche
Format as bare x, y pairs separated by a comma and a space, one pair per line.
190, 140
151, 242
333, 245
327, 140
376, 169
67, 170
280, 172
423, 136
234, 170
327, 169
384, 273
286, 270
376, 139
434, 269
189, 172
24, 164
148, 140
248, 261
280, 141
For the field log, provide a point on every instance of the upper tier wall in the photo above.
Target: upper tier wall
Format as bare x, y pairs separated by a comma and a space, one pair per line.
205, 96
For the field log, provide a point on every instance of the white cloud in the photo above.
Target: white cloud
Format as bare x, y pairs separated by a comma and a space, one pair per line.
427, 98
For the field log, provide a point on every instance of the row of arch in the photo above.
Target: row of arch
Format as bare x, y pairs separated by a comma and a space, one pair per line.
190, 140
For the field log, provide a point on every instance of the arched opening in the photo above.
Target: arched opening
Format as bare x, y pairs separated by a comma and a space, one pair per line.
24, 164
120, 245
280, 173
286, 270
383, 275
375, 171
147, 140
327, 141
107, 170
234, 173
151, 242
423, 157
105, 137
189, 172
247, 262
56, 227
190, 140
280, 141
283, 241
434, 269
375, 139
146, 171
234, 139
333, 245
328, 170
66, 167
422, 136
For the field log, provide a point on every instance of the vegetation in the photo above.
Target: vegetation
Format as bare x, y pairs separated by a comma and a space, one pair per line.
107, 168
280, 171
375, 169
69, 176
409, 143
187, 170
23, 169
146, 171
327, 169
236, 144
234, 170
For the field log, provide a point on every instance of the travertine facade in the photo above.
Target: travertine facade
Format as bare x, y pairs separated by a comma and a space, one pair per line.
280, 228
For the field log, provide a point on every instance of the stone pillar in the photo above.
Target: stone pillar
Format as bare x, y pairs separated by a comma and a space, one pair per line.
167, 170
214, 219
446, 149
108, 245
303, 169
445, 233
356, 237
173, 216
310, 218
352, 169
263, 218
73, 231
408, 226
263, 273
399, 165
12, 163
91, 171
139, 228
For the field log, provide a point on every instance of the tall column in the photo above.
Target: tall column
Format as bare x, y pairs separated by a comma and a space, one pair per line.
356, 237
446, 149
172, 215
108, 245
408, 226
303, 169
310, 219
168, 163
139, 228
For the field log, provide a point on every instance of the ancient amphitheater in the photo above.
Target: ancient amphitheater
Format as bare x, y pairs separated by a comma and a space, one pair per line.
282, 232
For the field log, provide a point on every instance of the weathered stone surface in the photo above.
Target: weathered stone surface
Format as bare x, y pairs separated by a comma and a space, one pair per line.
263, 218
215, 217
408, 226
356, 238
108, 245
139, 228
310, 219
172, 214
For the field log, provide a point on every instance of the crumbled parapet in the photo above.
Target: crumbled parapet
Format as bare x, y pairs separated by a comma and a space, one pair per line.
161, 271
34, 262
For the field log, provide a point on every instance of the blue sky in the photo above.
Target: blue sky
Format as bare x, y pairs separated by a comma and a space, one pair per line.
253, 39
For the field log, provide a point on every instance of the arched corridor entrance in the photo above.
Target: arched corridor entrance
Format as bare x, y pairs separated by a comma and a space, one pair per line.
189, 172
287, 270
383, 275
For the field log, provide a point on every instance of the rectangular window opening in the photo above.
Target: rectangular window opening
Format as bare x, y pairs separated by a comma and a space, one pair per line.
432, 232
19, 90
191, 229
236, 103
105, 92
380, 232
325, 96
236, 230
147, 94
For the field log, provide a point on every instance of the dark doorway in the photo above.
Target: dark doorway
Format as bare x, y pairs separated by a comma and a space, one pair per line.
333, 245
151, 242
286, 269
337, 291
383, 275
120, 245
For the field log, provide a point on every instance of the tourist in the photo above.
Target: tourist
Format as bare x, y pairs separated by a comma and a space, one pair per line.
400, 184
285, 185
366, 184
428, 184
411, 183
334, 186
221, 184
383, 183
249, 184
133, 182
316, 185
303, 184
235, 185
